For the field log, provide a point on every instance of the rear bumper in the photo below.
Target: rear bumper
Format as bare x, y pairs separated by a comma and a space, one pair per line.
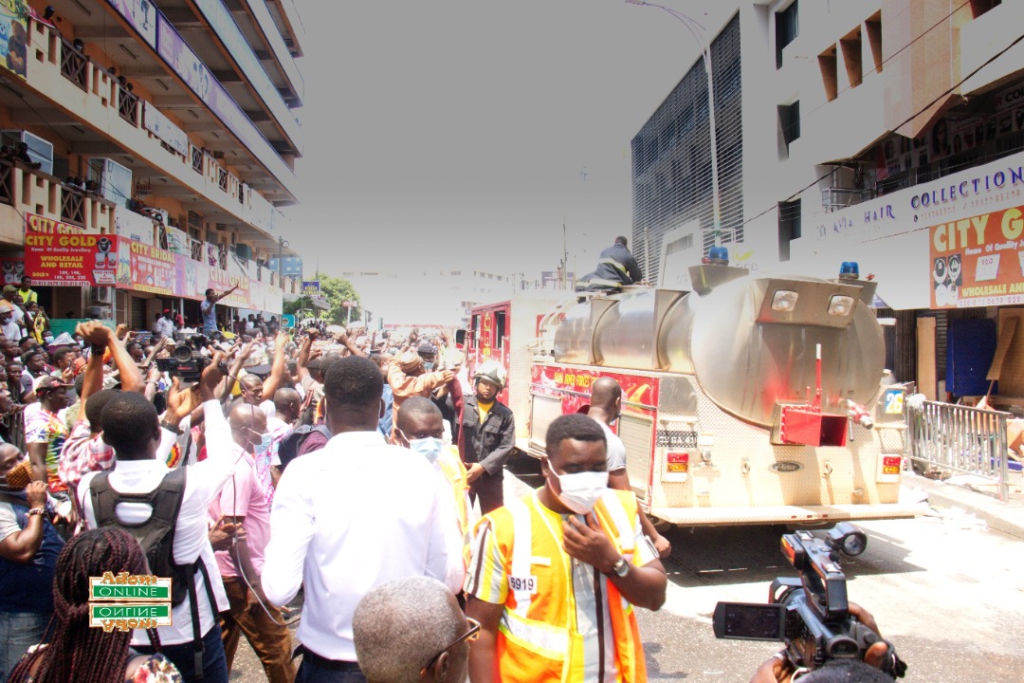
786, 514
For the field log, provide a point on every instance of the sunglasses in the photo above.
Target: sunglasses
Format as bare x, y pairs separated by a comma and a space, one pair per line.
471, 635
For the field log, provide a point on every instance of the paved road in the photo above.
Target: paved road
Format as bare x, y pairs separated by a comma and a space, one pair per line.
948, 593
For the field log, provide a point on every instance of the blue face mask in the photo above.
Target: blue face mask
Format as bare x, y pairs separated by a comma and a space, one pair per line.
264, 446
428, 366
429, 448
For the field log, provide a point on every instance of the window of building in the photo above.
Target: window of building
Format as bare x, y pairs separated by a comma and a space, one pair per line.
789, 122
851, 45
787, 28
827, 64
873, 27
979, 7
789, 226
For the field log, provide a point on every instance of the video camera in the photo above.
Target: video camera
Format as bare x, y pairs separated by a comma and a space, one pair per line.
186, 361
810, 614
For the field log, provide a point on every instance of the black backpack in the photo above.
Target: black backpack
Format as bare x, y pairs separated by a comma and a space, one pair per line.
290, 446
156, 534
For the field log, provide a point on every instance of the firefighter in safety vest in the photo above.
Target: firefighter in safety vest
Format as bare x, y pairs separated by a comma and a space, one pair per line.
615, 267
555, 575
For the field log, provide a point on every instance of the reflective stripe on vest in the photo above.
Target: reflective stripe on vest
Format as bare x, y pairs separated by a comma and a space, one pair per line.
536, 635
613, 263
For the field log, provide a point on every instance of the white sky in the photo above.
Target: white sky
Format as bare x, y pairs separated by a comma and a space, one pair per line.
454, 133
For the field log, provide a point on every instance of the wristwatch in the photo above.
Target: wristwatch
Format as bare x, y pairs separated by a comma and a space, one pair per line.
620, 568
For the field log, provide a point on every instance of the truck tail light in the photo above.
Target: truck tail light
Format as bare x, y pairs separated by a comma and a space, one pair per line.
892, 464
678, 462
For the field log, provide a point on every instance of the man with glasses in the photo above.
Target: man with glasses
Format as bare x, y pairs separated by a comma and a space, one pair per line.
412, 630
554, 575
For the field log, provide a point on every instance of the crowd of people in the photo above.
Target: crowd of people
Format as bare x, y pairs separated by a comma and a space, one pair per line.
349, 482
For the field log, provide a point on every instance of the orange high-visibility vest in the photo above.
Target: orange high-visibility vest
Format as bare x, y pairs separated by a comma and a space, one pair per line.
538, 638
455, 472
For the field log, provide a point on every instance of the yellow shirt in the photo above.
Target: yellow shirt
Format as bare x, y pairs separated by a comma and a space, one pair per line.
485, 409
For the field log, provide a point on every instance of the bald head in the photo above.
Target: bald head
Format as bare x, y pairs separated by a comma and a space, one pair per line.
248, 424
401, 625
605, 393
252, 389
287, 402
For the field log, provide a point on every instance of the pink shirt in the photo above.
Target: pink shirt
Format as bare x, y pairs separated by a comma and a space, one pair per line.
243, 496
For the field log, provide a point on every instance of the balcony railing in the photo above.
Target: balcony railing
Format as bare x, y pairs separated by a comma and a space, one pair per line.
197, 160
128, 105
72, 206
222, 179
6, 182
73, 65
835, 198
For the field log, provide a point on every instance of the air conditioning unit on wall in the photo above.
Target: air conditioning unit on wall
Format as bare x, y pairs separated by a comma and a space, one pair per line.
103, 295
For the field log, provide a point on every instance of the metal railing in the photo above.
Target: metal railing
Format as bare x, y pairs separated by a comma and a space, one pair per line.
72, 206
73, 65
835, 198
197, 160
959, 438
6, 183
128, 105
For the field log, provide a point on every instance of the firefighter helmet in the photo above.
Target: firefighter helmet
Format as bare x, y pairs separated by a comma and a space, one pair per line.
492, 371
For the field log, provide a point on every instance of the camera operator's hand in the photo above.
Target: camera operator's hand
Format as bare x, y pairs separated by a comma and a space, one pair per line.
877, 653
589, 543
775, 669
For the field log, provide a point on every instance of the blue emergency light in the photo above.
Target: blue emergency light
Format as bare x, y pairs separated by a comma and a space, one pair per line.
850, 270
719, 256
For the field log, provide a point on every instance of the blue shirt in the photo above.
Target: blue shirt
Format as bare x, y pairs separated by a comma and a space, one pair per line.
209, 310
384, 424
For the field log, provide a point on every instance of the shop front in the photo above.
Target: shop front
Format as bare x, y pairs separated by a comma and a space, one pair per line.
129, 281
948, 256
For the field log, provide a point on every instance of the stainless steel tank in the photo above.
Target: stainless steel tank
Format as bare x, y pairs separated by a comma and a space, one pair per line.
750, 342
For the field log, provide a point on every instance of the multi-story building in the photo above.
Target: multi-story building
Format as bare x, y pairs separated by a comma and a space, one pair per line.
428, 297
887, 132
157, 145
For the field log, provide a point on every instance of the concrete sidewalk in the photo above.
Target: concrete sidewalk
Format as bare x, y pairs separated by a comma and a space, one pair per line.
976, 496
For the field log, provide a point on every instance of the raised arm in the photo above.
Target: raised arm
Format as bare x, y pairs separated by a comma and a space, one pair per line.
273, 381
301, 365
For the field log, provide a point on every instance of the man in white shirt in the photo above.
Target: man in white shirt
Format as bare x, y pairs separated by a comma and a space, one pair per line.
132, 428
8, 324
606, 408
348, 518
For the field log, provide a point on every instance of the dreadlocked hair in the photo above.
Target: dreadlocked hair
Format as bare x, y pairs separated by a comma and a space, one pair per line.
80, 653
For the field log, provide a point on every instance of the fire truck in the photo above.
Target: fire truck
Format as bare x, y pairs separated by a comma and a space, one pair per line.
746, 400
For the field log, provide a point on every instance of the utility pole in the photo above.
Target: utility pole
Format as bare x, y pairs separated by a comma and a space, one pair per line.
565, 258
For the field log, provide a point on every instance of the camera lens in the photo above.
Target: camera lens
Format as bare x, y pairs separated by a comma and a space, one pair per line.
182, 353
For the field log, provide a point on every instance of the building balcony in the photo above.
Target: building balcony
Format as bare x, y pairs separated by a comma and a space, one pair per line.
99, 117
236, 62
25, 191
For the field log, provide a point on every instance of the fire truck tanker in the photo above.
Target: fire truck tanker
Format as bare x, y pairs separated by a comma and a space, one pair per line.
748, 400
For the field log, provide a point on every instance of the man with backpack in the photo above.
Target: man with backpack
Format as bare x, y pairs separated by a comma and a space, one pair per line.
167, 511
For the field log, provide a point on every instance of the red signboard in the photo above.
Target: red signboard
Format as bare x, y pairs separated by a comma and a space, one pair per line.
61, 254
636, 389
978, 261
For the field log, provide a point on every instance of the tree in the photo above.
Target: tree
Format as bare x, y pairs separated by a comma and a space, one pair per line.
335, 290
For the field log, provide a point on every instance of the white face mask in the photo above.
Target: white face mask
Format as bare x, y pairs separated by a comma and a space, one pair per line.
582, 490
429, 448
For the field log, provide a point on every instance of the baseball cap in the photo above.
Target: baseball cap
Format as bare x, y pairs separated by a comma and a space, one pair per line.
166, 311
47, 383
9, 289
427, 348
